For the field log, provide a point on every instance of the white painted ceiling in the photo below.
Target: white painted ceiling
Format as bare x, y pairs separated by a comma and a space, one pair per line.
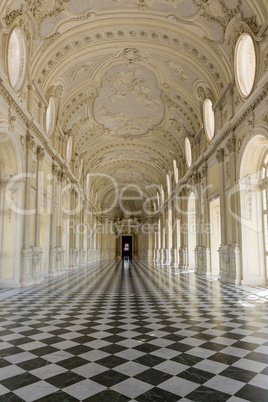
132, 72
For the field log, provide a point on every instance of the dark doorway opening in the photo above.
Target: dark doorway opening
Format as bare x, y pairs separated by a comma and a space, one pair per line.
127, 247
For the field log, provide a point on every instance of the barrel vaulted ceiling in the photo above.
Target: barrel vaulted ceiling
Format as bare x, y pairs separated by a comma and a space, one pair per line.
133, 75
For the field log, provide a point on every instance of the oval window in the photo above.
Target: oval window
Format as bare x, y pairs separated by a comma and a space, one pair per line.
188, 152
69, 150
16, 59
208, 117
245, 64
50, 117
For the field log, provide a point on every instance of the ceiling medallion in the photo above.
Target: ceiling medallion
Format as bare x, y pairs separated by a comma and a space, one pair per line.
129, 102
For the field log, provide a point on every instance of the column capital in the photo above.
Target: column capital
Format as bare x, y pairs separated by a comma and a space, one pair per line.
40, 153
204, 171
220, 155
54, 168
30, 143
231, 145
195, 178
62, 177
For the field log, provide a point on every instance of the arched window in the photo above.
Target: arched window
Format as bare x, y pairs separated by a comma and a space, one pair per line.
158, 199
175, 171
50, 117
188, 152
162, 193
253, 215
208, 117
69, 150
245, 64
168, 184
16, 58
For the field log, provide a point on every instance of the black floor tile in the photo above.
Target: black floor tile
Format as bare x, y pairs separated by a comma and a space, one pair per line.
19, 381
109, 378
65, 379
59, 396
113, 348
11, 397
78, 350
111, 361
203, 394
149, 360
72, 362
252, 393
180, 347
45, 350
195, 375
188, 360
10, 351
245, 345
114, 338
224, 358
21, 341
156, 303
4, 363
153, 377
33, 364
238, 374
258, 357
107, 396
146, 348
158, 395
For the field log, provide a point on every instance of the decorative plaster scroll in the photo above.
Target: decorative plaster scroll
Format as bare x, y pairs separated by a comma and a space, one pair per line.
80, 71
178, 71
43, 9
216, 11
11, 16
146, 4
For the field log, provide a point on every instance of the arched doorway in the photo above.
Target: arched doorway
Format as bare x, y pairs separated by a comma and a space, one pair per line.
127, 247
253, 219
191, 214
11, 202
215, 235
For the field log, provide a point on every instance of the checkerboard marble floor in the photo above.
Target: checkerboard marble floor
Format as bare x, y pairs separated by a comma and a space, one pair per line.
134, 332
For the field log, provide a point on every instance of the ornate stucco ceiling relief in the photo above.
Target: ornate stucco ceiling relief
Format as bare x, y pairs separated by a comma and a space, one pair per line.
134, 74
129, 101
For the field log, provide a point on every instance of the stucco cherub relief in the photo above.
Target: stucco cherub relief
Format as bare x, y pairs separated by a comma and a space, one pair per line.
129, 102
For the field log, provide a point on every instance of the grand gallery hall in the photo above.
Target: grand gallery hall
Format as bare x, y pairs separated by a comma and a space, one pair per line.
134, 200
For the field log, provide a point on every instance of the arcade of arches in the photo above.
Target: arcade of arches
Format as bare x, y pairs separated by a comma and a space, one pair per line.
138, 127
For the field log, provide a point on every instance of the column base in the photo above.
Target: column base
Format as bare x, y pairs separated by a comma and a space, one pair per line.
73, 259
31, 266
174, 256
203, 260
224, 254
235, 264
83, 258
183, 262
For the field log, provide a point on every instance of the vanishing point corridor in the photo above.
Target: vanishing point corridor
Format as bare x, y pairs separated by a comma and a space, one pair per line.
134, 332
